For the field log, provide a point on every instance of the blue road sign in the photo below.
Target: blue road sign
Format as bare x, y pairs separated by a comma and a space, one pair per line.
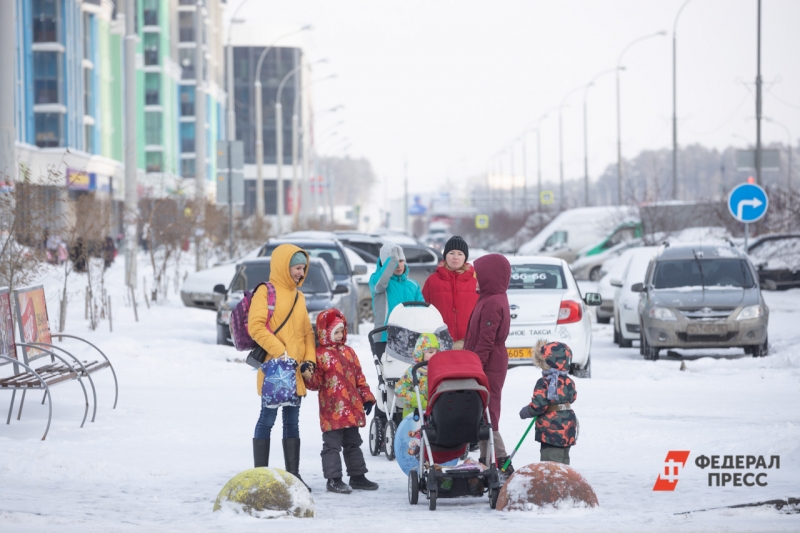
748, 202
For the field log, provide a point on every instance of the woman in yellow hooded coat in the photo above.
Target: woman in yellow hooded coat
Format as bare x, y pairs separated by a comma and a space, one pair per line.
288, 268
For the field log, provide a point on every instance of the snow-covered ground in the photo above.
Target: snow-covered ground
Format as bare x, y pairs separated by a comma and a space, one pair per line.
187, 411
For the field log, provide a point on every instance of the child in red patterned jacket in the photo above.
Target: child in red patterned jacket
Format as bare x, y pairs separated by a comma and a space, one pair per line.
344, 402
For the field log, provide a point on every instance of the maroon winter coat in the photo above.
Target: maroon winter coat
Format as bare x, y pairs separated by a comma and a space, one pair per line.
488, 326
453, 294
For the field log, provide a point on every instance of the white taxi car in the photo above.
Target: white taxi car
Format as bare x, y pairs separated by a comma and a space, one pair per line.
546, 303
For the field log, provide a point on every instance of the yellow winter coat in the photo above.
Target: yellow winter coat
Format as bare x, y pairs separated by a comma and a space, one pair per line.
296, 338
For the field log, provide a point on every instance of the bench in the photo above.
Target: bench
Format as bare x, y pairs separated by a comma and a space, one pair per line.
34, 330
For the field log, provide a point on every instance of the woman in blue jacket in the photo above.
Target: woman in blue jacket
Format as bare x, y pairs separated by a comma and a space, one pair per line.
389, 284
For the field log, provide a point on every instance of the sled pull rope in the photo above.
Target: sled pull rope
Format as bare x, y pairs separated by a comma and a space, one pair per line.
508, 461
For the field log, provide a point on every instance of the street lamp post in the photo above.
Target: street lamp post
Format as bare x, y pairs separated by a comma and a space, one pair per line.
259, 124
675, 104
586, 135
561, 146
279, 146
619, 127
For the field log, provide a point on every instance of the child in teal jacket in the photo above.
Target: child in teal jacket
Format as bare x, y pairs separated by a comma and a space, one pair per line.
389, 284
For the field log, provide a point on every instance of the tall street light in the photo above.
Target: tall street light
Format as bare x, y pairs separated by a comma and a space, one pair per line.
586, 135
675, 104
561, 146
259, 124
231, 129
619, 127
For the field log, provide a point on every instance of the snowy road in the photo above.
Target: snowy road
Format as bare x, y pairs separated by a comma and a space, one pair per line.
186, 415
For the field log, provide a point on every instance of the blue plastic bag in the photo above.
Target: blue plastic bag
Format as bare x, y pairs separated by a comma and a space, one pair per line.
280, 383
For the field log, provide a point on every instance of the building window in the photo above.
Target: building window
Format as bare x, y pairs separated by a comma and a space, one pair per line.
154, 161
88, 138
187, 137
49, 128
88, 92
186, 26
45, 21
150, 12
152, 127
187, 168
186, 57
151, 42
188, 2
187, 101
87, 36
46, 68
152, 88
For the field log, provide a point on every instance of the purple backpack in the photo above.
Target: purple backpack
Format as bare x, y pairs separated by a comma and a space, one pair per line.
241, 336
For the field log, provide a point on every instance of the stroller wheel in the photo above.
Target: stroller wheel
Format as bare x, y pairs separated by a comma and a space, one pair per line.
413, 487
375, 436
493, 495
388, 439
432, 499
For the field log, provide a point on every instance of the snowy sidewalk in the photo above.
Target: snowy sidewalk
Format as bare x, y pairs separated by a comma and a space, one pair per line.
186, 415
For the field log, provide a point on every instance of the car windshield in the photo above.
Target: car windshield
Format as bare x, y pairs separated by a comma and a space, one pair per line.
251, 274
674, 274
330, 254
532, 276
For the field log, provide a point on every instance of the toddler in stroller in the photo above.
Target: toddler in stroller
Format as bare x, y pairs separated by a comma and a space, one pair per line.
457, 414
392, 358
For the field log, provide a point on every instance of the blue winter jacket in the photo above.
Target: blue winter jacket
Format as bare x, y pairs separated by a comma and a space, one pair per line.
389, 290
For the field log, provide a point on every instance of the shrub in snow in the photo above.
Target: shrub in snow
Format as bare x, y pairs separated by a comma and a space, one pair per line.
545, 484
266, 493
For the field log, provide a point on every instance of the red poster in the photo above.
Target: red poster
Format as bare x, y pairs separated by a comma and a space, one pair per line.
7, 344
34, 326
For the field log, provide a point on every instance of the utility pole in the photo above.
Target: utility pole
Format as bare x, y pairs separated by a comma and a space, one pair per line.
405, 195
8, 132
758, 100
538, 170
675, 104
131, 189
524, 175
199, 138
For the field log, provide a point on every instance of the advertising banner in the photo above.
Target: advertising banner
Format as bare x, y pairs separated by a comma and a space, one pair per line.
7, 345
32, 317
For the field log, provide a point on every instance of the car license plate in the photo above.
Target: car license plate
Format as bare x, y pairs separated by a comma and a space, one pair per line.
520, 353
706, 329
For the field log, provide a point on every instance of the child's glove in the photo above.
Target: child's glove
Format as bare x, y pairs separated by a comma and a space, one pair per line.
307, 369
526, 412
368, 407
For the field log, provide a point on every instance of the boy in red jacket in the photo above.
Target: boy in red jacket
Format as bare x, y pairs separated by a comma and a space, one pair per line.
344, 398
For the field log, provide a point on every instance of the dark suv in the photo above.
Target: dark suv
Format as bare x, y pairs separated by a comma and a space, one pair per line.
332, 252
701, 296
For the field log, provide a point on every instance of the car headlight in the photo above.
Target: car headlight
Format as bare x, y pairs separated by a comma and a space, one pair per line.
662, 313
312, 316
751, 311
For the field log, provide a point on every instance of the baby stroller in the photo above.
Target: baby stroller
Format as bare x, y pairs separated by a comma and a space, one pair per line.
392, 357
457, 414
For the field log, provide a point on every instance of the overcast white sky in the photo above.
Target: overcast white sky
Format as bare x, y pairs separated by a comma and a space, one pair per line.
447, 84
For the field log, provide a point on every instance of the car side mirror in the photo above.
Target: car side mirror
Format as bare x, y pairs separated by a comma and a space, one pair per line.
359, 270
341, 289
615, 282
593, 298
219, 288
637, 287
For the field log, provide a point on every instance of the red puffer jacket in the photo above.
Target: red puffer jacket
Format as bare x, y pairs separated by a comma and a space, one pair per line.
453, 294
342, 387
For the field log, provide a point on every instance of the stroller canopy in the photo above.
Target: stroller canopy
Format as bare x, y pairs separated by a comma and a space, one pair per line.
455, 365
407, 322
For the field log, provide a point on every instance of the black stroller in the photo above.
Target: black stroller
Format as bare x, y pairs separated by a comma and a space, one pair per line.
457, 414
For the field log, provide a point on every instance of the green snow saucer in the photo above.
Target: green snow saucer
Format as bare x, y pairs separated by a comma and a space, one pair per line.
266, 493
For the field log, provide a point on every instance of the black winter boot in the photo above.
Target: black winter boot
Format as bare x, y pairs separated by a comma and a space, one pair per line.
361, 482
261, 452
336, 485
291, 457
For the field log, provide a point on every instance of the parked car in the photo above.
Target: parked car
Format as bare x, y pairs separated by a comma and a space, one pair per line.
615, 268
330, 249
590, 266
362, 282
702, 297
626, 300
320, 289
777, 259
197, 289
546, 303
421, 260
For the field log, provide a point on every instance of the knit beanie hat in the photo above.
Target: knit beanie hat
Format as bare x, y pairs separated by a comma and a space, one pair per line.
386, 252
457, 243
299, 258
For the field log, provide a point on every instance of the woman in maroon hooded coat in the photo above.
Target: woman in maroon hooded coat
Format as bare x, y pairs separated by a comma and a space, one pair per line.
486, 336
451, 289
